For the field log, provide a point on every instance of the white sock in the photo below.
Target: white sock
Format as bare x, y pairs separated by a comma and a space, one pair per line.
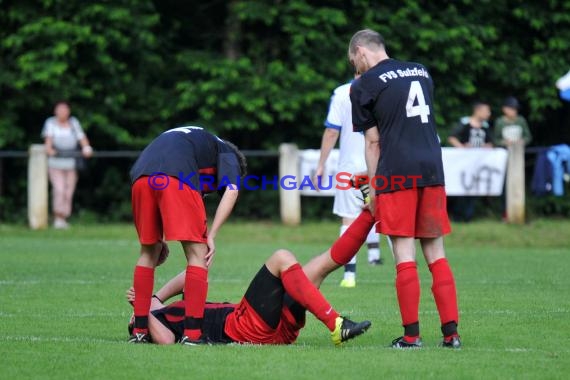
373, 243
350, 267
349, 275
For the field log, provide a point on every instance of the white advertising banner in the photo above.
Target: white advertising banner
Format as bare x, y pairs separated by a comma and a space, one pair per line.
468, 172
474, 171
308, 162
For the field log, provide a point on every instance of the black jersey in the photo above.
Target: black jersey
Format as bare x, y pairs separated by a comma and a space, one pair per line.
215, 314
475, 137
187, 153
397, 97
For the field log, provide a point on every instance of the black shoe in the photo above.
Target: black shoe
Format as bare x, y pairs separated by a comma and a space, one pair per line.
452, 342
346, 329
401, 343
131, 326
185, 341
139, 338
376, 262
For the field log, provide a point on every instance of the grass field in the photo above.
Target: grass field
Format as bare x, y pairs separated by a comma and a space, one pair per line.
63, 313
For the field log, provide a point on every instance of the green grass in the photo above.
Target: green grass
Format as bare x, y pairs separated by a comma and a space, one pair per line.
63, 314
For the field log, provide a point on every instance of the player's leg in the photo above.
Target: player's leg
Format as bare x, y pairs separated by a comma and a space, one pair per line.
341, 251
443, 289
347, 205
257, 316
373, 245
407, 290
349, 278
184, 219
147, 222
195, 288
283, 264
396, 215
433, 223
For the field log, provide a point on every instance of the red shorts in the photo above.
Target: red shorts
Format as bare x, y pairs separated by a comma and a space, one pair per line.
175, 212
245, 325
418, 212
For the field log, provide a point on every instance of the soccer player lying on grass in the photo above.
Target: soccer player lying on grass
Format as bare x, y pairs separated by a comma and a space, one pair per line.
272, 310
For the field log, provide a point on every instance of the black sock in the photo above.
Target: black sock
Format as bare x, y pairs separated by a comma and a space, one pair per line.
412, 329
448, 329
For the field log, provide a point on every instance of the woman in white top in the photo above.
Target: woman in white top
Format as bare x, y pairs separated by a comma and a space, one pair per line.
62, 133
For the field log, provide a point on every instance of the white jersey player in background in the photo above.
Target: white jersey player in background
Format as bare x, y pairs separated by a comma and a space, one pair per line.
347, 203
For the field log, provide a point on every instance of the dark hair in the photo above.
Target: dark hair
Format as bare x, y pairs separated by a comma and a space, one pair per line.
479, 103
511, 102
240, 157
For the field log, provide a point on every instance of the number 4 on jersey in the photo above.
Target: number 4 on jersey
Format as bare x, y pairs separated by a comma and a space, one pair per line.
421, 109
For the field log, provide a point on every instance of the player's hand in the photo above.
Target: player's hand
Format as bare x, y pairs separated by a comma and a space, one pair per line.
319, 173
371, 205
51, 152
164, 252
211, 250
131, 295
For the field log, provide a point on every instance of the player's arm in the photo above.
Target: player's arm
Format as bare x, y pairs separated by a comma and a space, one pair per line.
159, 332
330, 137
453, 139
372, 155
223, 211
172, 288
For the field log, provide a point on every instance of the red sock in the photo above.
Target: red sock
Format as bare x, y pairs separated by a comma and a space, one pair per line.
302, 290
143, 283
195, 292
408, 290
346, 246
443, 289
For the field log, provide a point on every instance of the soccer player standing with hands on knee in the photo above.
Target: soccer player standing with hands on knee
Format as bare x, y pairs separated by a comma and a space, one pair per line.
168, 180
392, 103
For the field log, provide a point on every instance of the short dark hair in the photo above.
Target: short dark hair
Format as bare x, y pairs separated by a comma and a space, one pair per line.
479, 103
240, 157
511, 102
368, 38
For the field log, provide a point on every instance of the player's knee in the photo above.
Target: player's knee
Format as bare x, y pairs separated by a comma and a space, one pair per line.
193, 249
284, 257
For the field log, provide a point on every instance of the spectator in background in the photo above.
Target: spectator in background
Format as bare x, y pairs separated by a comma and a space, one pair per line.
63, 135
511, 126
470, 133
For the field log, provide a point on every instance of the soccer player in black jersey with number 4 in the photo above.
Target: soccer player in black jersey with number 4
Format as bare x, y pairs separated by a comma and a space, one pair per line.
392, 103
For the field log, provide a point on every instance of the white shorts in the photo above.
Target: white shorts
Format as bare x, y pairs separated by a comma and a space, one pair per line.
348, 203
